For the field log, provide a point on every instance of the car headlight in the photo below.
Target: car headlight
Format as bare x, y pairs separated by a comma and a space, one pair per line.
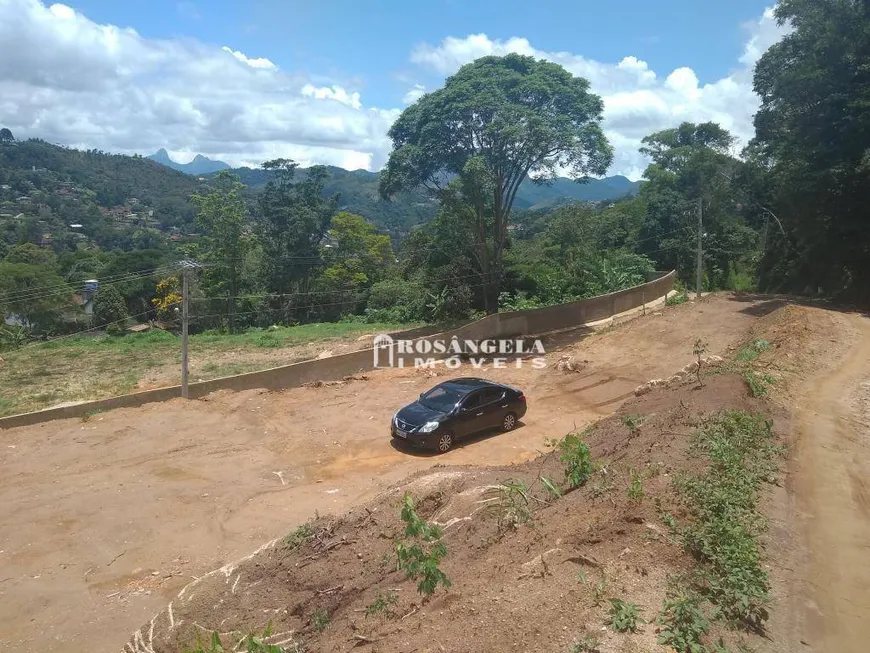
428, 427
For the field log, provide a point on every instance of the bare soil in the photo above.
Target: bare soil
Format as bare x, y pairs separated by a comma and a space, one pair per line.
106, 520
513, 588
821, 516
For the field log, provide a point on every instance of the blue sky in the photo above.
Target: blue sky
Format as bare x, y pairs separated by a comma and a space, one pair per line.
322, 82
371, 40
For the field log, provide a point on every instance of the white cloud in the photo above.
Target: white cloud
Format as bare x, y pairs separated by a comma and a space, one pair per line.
414, 94
262, 62
70, 80
637, 101
334, 92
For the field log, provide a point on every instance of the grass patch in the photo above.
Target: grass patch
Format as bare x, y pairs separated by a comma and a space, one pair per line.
633, 422
95, 366
723, 534
753, 350
509, 502
757, 383
383, 604
320, 620
635, 487
301, 535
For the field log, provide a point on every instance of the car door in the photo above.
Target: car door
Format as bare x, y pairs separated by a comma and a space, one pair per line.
470, 416
494, 407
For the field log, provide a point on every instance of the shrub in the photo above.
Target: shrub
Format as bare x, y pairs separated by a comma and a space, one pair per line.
574, 452
633, 422
682, 623
635, 487
110, 310
383, 604
623, 617
421, 552
396, 301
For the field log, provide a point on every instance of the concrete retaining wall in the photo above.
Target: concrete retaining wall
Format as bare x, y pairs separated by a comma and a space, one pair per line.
501, 325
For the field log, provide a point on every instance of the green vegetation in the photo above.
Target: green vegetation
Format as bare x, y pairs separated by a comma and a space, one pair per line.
383, 604
110, 311
574, 452
509, 502
676, 300
635, 487
320, 620
633, 422
751, 351
623, 617
302, 534
251, 643
588, 644
682, 622
39, 375
421, 551
539, 117
726, 524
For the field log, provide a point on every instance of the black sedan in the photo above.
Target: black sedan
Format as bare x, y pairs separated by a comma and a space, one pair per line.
456, 409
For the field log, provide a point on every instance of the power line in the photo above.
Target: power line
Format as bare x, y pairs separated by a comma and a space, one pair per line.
95, 328
34, 295
119, 278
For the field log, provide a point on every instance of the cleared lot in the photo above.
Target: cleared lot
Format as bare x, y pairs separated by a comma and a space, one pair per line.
105, 519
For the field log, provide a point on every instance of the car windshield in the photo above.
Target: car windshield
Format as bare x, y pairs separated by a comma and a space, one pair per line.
441, 399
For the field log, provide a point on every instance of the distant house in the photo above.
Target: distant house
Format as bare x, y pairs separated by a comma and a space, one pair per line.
5, 187
46, 240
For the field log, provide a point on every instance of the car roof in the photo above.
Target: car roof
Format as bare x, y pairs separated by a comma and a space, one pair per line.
467, 384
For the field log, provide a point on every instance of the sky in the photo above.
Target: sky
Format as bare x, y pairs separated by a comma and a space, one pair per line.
321, 82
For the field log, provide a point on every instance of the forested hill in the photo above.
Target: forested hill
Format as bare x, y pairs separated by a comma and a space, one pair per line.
359, 192
110, 180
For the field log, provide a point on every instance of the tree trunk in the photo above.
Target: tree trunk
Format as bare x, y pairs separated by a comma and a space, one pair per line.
491, 292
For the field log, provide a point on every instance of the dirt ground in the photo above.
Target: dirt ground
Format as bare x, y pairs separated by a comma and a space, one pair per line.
531, 588
105, 520
821, 537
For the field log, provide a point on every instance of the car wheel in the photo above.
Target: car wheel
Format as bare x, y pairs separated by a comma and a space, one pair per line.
509, 422
445, 443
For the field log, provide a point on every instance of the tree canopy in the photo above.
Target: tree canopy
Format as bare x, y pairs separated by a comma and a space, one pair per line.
496, 122
812, 146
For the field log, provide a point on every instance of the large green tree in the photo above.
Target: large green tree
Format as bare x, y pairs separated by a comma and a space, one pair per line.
110, 310
693, 169
495, 123
223, 215
294, 218
813, 141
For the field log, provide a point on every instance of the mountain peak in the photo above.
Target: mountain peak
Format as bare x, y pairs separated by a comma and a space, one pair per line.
201, 165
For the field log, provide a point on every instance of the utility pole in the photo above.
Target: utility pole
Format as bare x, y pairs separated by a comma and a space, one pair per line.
185, 302
186, 267
700, 248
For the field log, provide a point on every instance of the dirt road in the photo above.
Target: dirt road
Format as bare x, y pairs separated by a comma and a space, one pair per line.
830, 482
104, 520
